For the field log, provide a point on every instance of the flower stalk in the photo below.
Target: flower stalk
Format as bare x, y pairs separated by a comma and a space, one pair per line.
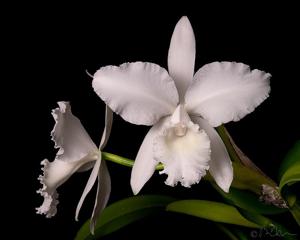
244, 178
123, 160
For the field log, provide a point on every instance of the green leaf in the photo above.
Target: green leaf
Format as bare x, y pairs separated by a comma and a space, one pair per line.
295, 211
246, 178
232, 233
241, 235
289, 171
237, 154
256, 218
124, 212
289, 174
291, 158
248, 201
214, 211
269, 227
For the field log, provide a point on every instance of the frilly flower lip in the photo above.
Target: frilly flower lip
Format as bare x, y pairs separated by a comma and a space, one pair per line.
50, 196
77, 152
183, 107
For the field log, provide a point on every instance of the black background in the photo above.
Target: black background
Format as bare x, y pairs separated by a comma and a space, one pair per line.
55, 45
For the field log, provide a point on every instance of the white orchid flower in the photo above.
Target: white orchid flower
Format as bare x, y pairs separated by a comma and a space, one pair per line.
184, 108
77, 153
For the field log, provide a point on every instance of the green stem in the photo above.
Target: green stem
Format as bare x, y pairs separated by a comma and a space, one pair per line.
123, 161
129, 163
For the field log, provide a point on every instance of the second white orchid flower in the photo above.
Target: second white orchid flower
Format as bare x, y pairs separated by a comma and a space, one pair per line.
77, 153
184, 108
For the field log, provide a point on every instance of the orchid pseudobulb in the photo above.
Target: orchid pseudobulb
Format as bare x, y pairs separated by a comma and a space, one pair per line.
183, 108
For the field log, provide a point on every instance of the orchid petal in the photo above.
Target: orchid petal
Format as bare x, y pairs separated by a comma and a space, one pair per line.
144, 165
185, 156
67, 131
107, 128
141, 93
226, 91
220, 166
181, 58
102, 196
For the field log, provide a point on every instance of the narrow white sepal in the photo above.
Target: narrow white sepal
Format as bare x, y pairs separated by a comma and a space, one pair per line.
220, 166
107, 128
181, 57
144, 164
98, 170
103, 193
89, 185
